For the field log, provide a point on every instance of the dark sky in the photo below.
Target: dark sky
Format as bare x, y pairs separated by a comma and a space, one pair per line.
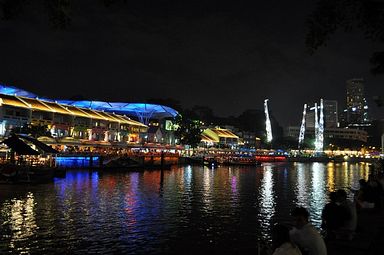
229, 55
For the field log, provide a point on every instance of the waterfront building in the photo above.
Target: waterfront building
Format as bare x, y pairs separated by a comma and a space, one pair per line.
86, 121
66, 121
219, 137
330, 110
356, 111
249, 139
351, 134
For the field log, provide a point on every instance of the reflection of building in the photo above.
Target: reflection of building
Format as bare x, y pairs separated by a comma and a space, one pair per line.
336, 133
356, 112
220, 137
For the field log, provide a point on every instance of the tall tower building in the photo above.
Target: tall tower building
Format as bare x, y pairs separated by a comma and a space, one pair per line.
357, 108
331, 119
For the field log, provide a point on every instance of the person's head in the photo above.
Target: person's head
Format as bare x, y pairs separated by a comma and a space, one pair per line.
301, 216
280, 235
362, 183
333, 197
341, 195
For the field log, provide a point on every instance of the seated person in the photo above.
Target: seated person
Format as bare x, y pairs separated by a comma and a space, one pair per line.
331, 216
305, 235
282, 244
364, 197
348, 218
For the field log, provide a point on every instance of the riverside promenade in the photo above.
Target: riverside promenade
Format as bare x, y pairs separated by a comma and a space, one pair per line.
369, 238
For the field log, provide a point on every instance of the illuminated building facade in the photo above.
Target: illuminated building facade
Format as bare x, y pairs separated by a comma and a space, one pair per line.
331, 119
330, 110
356, 112
86, 120
219, 137
337, 133
65, 121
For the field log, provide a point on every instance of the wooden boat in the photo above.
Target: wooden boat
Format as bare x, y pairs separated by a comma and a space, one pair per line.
10, 173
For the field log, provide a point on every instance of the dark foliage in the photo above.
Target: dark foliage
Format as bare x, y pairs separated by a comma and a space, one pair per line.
331, 15
35, 130
189, 129
59, 12
11, 8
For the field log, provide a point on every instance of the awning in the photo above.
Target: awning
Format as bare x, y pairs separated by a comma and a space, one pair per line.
19, 146
205, 138
40, 145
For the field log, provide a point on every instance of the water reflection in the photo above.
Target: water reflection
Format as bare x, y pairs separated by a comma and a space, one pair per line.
202, 209
21, 222
331, 177
318, 192
267, 200
301, 185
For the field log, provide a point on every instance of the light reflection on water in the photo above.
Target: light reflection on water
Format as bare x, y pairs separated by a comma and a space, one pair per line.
318, 192
267, 201
186, 209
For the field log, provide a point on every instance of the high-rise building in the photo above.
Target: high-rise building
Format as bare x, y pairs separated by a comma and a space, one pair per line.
330, 114
357, 108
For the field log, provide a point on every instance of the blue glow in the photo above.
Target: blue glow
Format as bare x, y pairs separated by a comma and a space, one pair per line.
136, 109
124, 108
10, 90
76, 161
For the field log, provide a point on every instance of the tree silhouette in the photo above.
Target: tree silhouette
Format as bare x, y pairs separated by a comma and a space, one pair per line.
332, 15
35, 130
188, 129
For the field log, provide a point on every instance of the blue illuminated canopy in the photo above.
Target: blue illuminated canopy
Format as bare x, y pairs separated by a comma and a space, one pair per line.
142, 111
10, 90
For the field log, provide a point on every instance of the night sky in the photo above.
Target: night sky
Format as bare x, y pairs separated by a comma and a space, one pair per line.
229, 55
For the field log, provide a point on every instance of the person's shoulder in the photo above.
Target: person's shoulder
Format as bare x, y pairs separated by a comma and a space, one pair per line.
287, 249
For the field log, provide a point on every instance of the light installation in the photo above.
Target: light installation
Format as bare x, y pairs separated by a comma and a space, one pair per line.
316, 128
267, 122
319, 127
302, 127
320, 133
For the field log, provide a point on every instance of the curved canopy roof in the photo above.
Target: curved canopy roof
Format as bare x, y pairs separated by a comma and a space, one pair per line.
10, 90
141, 110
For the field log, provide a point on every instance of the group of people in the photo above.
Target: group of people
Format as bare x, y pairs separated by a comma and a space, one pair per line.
371, 192
302, 239
339, 220
339, 216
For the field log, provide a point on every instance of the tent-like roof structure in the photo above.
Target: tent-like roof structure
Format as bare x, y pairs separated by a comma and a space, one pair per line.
10, 90
37, 104
214, 135
46, 149
19, 146
143, 111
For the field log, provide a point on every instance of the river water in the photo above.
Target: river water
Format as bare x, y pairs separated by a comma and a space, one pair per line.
189, 209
